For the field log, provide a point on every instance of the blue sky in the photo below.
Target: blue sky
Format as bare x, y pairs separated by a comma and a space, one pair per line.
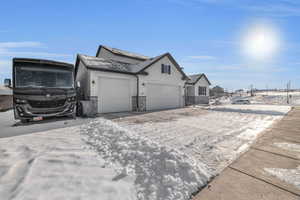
202, 35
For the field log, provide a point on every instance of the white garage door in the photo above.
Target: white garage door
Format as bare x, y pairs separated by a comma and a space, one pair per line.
161, 96
113, 95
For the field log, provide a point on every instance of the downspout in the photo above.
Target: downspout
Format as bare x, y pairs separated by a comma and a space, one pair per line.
137, 92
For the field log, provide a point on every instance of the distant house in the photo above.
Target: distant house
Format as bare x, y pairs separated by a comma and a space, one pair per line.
5, 98
217, 91
197, 89
125, 81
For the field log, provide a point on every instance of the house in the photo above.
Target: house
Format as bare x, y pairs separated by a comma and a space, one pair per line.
217, 91
6, 98
125, 81
197, 89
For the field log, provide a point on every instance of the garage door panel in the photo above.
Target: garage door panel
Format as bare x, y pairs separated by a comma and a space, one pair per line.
160, 96
114, 95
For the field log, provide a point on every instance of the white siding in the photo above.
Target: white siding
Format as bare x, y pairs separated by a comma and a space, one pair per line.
203, 83
155, 76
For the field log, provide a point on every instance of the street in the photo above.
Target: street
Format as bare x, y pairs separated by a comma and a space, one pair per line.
10, 127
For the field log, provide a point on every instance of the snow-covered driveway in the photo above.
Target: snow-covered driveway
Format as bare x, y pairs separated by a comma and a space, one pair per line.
159, 155
214, 136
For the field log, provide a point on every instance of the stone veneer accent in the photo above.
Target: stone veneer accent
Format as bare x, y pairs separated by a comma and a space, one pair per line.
142, 104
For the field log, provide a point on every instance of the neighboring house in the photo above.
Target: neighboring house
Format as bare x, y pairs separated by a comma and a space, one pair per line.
5, 98
217, 91
197, 89
124, 81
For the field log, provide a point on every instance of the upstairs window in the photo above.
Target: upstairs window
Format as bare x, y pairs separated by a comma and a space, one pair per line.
202, 91
165, 69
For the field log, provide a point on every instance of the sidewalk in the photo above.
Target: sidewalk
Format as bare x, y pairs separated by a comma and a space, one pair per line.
247, 178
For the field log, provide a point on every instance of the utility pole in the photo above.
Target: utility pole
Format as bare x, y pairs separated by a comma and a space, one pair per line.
288, 86
251, 90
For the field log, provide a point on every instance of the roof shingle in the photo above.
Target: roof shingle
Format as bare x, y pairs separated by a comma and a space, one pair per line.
123, 53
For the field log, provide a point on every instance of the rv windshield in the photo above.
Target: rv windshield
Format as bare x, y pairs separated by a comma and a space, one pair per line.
43, 77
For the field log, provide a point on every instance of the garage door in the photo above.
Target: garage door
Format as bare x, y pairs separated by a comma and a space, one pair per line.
113, 95
161, 96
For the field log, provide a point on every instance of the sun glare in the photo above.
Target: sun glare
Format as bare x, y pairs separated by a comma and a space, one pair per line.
261, 41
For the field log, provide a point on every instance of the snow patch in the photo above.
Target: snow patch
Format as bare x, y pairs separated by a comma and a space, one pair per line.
253, 109
52, 165
161, 172
288, 146
291, 176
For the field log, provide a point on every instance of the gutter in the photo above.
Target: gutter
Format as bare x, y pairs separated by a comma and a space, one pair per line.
137, 91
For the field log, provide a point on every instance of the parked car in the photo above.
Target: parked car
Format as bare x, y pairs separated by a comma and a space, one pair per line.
241, 101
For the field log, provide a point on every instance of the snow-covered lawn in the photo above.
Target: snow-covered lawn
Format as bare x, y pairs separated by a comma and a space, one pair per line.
253, 109
53, 165
274, 93
277, 98
160, 155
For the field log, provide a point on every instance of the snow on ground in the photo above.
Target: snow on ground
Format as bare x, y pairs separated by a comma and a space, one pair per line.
161, 172
53, 165
278, 93
291, 176
277, 98
252, 108
214, 138
288, 146
160, 155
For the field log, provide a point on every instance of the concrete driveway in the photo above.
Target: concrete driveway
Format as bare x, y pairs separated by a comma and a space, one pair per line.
9, 127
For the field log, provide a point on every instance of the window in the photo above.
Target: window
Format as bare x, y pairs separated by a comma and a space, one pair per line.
165, 69
42, 76
202, 91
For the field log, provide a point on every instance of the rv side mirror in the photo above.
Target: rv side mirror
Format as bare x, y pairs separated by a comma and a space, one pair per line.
77, 84
7, 82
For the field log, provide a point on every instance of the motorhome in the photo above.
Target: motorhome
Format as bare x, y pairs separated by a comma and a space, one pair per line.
43, 88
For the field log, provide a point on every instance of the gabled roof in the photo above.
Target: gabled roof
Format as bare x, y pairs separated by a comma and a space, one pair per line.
110, 65
193, 79
120, 52
146, 64
102, 64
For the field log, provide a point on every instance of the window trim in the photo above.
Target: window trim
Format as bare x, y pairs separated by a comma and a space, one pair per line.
165, 69
202, 91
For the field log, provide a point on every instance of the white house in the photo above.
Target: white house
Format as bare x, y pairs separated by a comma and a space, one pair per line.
124, 81
197, 89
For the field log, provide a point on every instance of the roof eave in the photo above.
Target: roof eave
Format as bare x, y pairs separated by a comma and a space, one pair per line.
119, 54
184, 76
202, 75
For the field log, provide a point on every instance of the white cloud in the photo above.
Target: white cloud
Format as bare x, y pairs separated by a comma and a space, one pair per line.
34, 54
202, 57
26, 44
6, 50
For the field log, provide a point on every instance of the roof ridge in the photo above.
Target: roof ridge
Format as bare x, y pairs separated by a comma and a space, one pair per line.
123, 52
